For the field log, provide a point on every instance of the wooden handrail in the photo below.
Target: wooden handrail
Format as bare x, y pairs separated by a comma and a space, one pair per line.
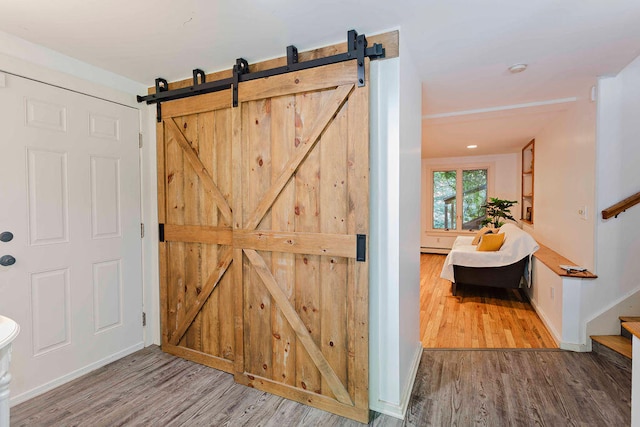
622, 206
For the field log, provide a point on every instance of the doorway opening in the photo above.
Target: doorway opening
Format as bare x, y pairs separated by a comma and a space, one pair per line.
477, 316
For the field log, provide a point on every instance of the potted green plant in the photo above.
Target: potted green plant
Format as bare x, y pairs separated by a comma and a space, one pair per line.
497, 210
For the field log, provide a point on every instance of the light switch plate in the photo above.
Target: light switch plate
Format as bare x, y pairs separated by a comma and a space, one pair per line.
582, 211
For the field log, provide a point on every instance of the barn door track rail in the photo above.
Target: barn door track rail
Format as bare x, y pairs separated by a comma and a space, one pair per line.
357, 49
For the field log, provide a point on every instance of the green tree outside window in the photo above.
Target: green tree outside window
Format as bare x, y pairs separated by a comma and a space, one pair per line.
445, 198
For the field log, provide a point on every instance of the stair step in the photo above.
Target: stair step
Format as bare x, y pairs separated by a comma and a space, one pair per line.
616, 343
625, 319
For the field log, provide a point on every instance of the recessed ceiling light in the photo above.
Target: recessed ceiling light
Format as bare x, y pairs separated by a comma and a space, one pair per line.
472, 146
517, 68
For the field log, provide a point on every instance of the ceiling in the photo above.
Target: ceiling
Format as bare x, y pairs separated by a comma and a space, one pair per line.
462, 49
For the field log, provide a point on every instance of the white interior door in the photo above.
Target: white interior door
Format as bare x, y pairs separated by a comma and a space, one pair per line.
70, 194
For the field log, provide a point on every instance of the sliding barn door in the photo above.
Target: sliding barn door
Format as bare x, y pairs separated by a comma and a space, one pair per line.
194, 191
263, 204
301, 198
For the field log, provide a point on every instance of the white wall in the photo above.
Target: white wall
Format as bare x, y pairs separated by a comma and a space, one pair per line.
410, 173
565, 182
384, 243
394, 343
545, 295
618, 177
504, 184
67, 70
597, 173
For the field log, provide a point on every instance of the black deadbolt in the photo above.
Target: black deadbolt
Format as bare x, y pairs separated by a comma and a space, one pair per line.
7, 260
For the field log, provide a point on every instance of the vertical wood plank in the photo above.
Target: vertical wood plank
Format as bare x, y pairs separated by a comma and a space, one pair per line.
209, 317
333, 270
207, 145
175, 215
191, 194
257, 146
224, 164
162, 247
237, 146
246, 287
358, 299
307, 219
283, 145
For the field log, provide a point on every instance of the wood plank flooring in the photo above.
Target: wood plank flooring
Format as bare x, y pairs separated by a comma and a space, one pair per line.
478, 317
453, 387
519, 388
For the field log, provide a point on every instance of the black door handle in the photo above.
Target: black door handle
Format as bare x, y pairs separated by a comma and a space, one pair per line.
7, 260
6, 236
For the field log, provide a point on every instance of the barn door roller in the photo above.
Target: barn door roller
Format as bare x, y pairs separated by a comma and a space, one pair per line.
357, 50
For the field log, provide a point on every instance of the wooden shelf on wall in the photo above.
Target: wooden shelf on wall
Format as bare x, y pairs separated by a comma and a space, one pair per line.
553, 260
528, 168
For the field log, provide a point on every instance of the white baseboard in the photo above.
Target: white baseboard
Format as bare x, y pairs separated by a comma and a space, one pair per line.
395, 410
580, 348
554, 334
15, 400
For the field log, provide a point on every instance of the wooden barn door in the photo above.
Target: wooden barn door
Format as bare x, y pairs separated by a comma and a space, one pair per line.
194, 191
301, 198
290, 166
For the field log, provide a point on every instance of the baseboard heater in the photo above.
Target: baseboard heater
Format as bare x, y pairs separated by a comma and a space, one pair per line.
429, 250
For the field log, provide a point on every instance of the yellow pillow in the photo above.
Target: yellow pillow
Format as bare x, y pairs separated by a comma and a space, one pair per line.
480, 233
491, 242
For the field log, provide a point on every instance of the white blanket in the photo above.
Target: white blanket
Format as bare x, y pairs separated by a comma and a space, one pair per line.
517, 245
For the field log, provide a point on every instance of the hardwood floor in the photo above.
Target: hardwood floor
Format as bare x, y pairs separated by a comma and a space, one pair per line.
453, 387
478, 317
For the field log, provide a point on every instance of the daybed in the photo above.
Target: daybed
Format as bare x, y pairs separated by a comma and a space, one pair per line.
503, 268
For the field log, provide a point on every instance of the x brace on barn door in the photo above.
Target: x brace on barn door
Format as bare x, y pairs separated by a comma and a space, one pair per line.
357, 49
